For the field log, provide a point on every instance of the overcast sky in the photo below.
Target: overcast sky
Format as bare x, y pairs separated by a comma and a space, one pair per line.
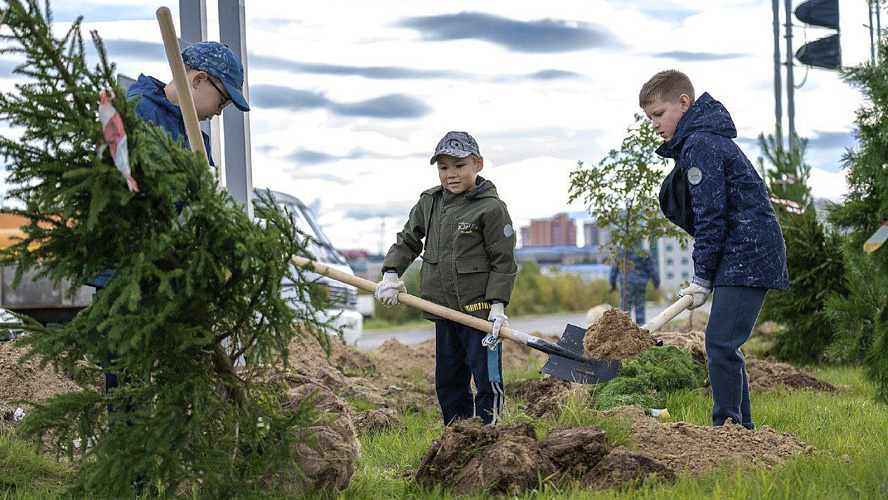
349, 98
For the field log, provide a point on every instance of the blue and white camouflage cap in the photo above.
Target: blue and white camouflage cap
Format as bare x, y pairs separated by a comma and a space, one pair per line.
216, 59
456, 144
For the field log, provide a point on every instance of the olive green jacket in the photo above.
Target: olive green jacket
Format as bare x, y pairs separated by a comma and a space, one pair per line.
467, 244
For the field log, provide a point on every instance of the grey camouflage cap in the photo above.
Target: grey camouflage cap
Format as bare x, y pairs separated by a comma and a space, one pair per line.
456, 144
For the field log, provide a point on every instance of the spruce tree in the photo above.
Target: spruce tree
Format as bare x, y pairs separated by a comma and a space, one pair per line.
197, 285
813, 257
862, 316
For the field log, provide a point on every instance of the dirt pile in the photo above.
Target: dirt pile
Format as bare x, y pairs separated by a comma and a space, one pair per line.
594, 313
695, 450
622, 466
766, 375
574, 451
694, 341
26, 381
615, 336
542, 397
376, 420
327, 461
696, 321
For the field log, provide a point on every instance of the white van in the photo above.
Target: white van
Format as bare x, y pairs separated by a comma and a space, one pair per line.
343, 311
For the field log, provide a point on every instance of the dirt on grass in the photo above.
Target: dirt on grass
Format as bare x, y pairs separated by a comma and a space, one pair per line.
694, 341
542, 397
26, 381
765, 375
615, 336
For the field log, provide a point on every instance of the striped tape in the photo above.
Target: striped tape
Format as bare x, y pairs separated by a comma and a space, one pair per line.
877, 239
477, 307
790, 205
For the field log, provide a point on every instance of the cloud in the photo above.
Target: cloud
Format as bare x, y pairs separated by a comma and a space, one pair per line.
554, 74
392, 106
840, 139
7, 65
680, 55
309, 157
119, 49
371, 72
367, 211
100, 12
514, 145
674, 15
541, 36
303, 176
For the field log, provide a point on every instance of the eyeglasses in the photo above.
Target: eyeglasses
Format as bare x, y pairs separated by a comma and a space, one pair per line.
225, 99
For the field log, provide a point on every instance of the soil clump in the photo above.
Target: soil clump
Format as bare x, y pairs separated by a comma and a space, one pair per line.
694, 341
542, 397
574, 451
26, 380
376, 420
615, 336
765, 375
622, 466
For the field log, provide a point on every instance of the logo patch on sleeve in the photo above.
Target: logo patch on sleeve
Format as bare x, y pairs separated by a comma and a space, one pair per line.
508, 231
695, 176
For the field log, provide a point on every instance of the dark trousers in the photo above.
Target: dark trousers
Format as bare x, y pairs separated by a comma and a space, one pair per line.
636, 297
733, 314
460, 357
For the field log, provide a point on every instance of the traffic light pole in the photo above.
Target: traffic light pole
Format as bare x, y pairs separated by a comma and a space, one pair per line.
790, 82
778, 94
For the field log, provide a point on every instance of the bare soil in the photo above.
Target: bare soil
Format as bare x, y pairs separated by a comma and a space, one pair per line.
542, 397
376, 420
26, 380
615, 336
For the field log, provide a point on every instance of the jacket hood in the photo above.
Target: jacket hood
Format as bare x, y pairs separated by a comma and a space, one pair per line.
483, 189
151, 88
705, 115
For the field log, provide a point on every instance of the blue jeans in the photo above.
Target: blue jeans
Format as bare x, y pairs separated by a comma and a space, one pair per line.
733, 314
636, 297
459, 357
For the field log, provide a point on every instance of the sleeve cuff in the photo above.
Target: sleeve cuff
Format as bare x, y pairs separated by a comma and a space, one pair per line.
700, 281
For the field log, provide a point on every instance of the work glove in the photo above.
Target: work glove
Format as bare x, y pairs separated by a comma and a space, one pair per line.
699, 292
499, 318
387, 290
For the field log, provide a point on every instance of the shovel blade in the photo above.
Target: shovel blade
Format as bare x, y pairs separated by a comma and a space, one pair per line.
593, 371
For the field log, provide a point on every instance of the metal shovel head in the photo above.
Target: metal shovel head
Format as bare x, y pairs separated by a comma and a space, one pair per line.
593, 371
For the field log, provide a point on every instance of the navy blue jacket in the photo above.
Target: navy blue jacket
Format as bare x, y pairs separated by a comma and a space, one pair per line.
157, 109
638, 273
737, 239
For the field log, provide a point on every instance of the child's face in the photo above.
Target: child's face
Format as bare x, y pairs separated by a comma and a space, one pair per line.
209, 96
458, 174
664, 115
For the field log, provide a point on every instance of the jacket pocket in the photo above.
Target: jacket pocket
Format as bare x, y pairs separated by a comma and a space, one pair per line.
472, 276
427, 278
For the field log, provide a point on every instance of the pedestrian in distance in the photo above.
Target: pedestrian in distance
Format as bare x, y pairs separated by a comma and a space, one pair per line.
465, 236
638, 271
716, 196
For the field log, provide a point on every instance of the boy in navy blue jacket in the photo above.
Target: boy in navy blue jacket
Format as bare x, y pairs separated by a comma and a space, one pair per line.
715, 194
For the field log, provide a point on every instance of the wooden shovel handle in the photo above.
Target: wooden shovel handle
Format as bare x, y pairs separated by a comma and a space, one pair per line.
670, 312
413, 301
180, 80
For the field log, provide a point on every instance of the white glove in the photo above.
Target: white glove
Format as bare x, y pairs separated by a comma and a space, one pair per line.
700, 294
499, 318
387, 290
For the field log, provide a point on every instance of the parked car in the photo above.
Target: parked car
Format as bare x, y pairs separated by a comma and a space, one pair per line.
342, 313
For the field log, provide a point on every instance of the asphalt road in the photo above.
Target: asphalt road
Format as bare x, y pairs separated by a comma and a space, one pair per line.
548, 325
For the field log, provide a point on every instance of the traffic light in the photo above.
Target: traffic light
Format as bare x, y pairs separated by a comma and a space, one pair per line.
825, 52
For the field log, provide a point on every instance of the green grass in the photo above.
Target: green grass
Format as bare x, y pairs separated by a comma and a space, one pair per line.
26, 471
848, 428
382, 324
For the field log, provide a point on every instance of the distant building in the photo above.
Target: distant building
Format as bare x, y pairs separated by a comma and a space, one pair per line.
558, 230
675, 262
555, 255
595, 236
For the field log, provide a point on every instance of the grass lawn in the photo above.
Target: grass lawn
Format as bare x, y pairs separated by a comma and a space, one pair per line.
849, 429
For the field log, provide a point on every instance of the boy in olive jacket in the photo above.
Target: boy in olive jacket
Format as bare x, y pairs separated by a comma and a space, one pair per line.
465, 235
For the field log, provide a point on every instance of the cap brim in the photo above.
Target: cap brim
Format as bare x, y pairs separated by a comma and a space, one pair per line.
237, 97
456, 153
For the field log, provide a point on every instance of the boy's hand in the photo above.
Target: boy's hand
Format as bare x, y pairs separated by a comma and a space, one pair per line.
387, 290
700, 294
499, 318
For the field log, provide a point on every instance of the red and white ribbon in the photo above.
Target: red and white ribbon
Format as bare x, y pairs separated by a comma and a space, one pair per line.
114, 135
786, 179
790, 205
875, 241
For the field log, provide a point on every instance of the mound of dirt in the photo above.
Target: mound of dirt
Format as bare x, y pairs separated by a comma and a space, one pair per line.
377, 420
505, 467
574, 451
396, 359
766, 375
695, 450
694, 341
696, 321
622, 466
541, 397
26, 380
594, 313
615, 336
328, 461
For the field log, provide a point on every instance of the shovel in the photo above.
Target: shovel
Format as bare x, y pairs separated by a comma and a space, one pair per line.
572, 340
572, 365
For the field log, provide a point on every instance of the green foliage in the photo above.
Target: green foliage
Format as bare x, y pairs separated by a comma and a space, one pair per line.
536, 293
194, 290
813, 258
649, 376
621, 192
862, 317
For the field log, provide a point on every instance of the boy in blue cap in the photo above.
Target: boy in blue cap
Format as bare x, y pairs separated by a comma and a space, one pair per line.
715, 194
468, 264
215, 77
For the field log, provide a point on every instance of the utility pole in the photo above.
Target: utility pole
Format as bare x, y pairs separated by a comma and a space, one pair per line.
790, 82
872, 37
778, 94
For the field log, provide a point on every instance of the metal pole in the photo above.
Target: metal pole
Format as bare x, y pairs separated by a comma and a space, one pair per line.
238, 168
872, 38
790, 82
879, 26
778, 94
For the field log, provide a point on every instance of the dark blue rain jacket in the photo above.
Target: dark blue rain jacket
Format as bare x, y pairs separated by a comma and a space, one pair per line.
639, 272
715, 194
157, 109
